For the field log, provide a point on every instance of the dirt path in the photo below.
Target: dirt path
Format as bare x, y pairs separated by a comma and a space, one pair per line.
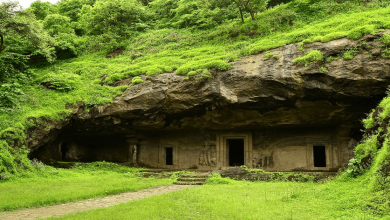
66, 208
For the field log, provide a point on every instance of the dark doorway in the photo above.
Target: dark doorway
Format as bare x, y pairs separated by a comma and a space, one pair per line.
319, 156
64, 149
236, 152
169, 155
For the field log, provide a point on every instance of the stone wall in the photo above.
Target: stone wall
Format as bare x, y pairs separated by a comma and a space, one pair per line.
268, 149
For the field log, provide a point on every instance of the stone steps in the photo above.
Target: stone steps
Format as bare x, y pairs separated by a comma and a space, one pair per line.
193, 179
188, 183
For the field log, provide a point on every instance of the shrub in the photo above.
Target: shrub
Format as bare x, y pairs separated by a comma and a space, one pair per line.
312, 56
332, 36
386, 53
64, 82
168, 69
350, 54
331, 58
136, 80
268, 55
192, 73
323, 69
358, 32
154, 71
216, 179
10, 96
206, 74
385, 39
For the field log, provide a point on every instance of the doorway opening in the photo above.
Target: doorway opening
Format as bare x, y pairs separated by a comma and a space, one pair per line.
64, 149
235, 151
319, 156
168, 156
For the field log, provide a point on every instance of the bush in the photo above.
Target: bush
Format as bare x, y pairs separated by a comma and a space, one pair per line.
206, 74
360, 31
136, 80
268, 55
192, 73
216, 179
386, 53
10, 94
64, 82
385, 39
115, 17
312, 56
350, 54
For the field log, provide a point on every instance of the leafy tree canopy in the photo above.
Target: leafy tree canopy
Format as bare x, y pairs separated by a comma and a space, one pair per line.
119, 17
250, 6
42, 9
15, 21
72, 8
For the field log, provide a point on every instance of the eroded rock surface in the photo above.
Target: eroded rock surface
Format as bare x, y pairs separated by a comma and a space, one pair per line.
255, 94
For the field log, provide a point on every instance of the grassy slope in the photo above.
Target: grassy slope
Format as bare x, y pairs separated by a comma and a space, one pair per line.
247, 200
53, 186
158, 51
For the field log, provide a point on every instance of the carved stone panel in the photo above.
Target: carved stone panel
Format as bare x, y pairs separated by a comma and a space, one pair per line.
208, 154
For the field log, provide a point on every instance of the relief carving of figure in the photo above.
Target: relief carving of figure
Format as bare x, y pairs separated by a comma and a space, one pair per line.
260, 164
135, 155
257, 163
265, 165
271, 160
214, 160
208, 157
202, 161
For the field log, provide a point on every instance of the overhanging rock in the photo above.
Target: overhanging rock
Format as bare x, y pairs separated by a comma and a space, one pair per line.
289, 117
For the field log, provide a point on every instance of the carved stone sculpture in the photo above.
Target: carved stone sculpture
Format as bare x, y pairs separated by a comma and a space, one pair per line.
135, 155
202, 161
271, 161
213, 161
265, 162
207, 156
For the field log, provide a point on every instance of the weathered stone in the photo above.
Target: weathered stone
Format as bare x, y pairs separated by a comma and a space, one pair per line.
281, 112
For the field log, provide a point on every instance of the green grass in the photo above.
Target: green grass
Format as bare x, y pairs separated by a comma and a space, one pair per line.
248, 200
53, 186
188, 52
184, 51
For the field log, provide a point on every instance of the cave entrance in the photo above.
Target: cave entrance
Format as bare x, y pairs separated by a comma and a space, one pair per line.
235, 150
319, 156
64, 149
168, 156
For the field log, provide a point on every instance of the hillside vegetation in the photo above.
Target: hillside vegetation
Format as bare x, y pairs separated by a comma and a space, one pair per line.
76, 50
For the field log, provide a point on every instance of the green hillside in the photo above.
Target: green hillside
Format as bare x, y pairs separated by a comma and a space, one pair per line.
82, 47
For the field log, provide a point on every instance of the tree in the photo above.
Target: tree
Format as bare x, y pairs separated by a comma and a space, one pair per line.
56, 24
190, 13
250, 6
59, 27
42, 9
72, 8
15, 21
21, 35
114, 17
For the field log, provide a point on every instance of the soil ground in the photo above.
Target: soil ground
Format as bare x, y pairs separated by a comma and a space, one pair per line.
66, 208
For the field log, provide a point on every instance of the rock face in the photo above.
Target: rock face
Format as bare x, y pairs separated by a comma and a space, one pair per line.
283, 113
